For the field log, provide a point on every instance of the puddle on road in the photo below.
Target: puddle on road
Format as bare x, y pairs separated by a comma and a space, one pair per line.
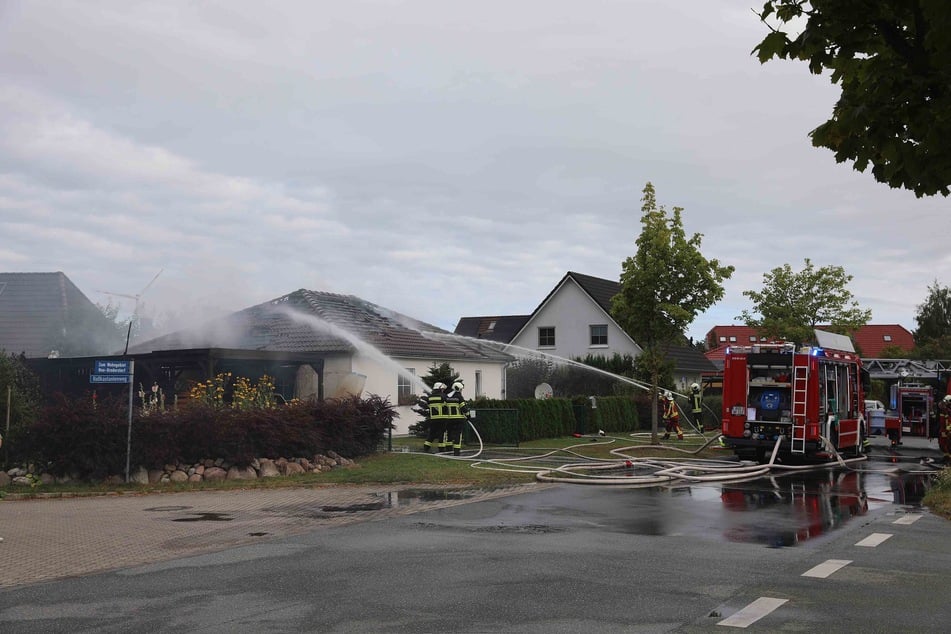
205, 517
382, 501
785, 511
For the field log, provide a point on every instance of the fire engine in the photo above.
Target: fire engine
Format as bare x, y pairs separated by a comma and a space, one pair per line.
808, 399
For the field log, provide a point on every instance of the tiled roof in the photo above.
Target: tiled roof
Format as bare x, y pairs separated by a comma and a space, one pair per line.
687, 359
600, 289
500, 328
314, 321
40, 312
869, 340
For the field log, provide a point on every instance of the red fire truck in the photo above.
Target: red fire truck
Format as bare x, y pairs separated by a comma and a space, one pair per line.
811, 398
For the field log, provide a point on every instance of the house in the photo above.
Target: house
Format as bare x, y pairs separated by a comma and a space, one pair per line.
870, 340
45, 315
322, 345
574, 321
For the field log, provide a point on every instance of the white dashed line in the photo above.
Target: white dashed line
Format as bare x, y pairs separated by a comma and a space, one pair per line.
753, 612
826, 568
911, 518
874, 539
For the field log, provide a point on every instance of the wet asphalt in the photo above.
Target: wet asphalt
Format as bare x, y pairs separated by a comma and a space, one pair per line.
538, 558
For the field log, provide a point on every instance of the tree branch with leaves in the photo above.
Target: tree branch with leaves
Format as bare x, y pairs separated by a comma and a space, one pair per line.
893, 61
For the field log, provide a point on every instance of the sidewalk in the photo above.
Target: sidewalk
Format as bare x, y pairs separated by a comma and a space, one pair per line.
46, 539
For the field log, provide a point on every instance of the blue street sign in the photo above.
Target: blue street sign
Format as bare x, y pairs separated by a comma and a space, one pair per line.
110, 378
112, 367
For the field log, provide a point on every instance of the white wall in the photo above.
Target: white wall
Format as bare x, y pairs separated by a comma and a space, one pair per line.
571, 312
382, 380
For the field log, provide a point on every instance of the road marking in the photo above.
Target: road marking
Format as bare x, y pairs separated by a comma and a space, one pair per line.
911, 518
753, 612
826, 568
874, 539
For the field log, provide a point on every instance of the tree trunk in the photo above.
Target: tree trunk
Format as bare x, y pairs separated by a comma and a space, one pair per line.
655, 377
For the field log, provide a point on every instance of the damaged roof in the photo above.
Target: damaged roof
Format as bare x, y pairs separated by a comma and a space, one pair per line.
316, 321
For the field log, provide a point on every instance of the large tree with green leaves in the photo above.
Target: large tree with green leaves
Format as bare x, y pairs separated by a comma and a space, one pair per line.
893, 61
792, 303
933, 335
664, 285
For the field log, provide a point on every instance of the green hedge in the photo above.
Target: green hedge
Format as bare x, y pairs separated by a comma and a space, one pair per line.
553, 418
89, 439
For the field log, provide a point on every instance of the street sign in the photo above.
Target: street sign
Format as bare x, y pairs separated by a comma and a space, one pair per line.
112, 367
110, 378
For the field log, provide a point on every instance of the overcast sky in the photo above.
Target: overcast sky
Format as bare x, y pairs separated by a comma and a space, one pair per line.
439, 158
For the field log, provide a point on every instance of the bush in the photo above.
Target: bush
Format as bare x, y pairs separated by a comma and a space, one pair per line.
554, 417
89, 440
79, 436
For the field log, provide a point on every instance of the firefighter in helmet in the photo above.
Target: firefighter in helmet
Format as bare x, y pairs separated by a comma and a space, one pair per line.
944, 427
696, 402
671, 417
457, 415
437, 418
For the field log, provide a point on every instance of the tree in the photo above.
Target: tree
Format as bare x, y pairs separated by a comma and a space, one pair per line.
19, 395
893, 61
933, 335
664, 285
791, 305
934, 314
441, 373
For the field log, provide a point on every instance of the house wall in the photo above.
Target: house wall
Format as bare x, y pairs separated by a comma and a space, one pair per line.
382, 380
572, 312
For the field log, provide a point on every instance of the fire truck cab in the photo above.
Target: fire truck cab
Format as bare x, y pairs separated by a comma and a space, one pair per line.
810, 399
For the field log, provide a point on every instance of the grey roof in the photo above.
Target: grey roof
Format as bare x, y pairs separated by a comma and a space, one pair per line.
601, 290
315, 321
499, 328
42, 312
688, 359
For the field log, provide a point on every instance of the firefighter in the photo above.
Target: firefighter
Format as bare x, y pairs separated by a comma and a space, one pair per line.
457, 410
696, 400
671, 417
944, 427
437, 417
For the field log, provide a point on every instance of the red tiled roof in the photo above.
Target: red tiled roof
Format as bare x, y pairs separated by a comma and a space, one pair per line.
869, 340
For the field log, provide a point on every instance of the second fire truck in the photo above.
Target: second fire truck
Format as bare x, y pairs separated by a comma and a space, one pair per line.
809, 399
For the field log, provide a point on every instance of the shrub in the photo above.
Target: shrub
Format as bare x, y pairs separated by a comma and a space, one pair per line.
90, 440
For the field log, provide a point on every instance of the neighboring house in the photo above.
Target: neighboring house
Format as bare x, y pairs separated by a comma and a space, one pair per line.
574, 321
324, 345
45, 315
870, 340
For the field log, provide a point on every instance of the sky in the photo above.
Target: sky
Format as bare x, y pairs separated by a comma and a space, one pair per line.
440, 159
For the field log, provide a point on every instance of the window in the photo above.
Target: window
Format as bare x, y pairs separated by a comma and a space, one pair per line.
546, 337
722, 339
599, 335
753, 338
887, 337
404, 387
732, 339
478, 384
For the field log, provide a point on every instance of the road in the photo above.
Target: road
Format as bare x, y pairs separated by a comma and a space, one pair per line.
835, 554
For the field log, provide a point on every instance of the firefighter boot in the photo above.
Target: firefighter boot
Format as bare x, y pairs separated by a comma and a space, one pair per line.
456, 451
666, 436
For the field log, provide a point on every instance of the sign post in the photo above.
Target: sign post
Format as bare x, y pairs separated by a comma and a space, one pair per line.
118, 371
128, 440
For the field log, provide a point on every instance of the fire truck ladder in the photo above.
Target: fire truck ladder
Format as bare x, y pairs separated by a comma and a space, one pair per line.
799, 386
